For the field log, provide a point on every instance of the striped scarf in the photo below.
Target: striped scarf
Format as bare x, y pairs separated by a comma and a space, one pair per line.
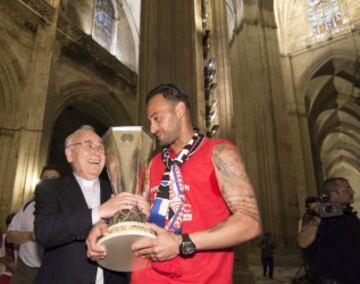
168, 205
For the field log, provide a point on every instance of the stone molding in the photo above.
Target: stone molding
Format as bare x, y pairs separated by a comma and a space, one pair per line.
42, 7
20, 15
74, 40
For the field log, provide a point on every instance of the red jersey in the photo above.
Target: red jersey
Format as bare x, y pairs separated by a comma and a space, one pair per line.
204, 208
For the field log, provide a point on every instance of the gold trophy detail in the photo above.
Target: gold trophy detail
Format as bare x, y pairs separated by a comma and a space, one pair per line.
128, 151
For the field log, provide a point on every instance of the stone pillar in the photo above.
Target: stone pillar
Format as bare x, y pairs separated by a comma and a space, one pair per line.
262, 122
219, 50
32, 110
301, 151
170, 52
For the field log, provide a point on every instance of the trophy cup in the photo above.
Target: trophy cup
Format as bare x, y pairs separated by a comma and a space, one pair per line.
128, 150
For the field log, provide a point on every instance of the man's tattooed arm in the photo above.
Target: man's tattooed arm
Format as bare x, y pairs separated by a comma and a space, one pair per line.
234, 183
244, 223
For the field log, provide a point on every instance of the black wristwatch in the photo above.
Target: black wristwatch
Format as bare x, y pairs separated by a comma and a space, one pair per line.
187, 247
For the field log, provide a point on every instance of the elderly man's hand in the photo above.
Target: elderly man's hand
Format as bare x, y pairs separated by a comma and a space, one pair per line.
95, 251
119, 202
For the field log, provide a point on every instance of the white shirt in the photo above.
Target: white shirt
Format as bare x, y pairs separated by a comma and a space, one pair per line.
29, 252
3, 255
91, 192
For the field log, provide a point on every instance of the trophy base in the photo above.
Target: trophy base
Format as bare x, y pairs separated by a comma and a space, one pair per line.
118, 244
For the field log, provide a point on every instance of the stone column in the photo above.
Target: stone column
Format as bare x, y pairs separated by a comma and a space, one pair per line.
32, 109
219, 50
264, 129
170, 52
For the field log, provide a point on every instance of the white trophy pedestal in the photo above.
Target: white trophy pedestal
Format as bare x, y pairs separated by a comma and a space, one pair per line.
118, 242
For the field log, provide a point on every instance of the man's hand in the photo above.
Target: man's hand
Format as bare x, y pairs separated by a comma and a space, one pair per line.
122, 201
164, 247
95, 251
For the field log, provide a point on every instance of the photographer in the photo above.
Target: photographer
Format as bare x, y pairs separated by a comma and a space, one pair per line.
331, 240
307, 226
311, 205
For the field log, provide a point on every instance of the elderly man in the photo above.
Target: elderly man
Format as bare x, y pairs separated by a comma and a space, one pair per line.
66, 209
332, 244
21, 232
202, 201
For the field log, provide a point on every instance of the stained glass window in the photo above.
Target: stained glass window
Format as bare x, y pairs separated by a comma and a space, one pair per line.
104, 23
325, 16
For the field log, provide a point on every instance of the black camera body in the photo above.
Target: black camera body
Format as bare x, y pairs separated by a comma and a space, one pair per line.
330, 209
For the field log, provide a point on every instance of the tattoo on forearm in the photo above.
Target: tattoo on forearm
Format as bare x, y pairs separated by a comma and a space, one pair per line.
234, 182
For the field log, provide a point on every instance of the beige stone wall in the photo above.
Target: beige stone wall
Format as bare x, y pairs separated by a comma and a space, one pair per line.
351, 8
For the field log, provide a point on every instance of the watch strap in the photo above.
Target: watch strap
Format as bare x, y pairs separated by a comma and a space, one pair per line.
187, 248
186, 238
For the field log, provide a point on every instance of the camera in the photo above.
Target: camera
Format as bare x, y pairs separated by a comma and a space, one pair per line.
330, 209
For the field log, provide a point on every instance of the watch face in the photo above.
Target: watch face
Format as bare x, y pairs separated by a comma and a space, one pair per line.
188, 248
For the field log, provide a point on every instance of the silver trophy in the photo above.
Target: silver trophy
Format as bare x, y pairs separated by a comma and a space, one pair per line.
128, 150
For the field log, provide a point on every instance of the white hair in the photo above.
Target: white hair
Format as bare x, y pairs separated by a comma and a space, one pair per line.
69, 139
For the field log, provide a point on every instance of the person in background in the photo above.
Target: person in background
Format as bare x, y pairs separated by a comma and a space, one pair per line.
21, 233
332, 242
8, 255
267, 246
310, 215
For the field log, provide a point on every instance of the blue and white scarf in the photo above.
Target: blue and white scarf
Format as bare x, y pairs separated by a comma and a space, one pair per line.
168, 206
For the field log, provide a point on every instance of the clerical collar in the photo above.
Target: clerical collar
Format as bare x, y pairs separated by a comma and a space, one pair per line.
84, 182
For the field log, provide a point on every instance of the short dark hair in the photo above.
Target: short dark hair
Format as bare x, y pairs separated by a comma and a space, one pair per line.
169, 92
330, 184
311, 199
49, 168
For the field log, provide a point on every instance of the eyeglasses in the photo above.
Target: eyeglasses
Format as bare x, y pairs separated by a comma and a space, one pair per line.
90, 146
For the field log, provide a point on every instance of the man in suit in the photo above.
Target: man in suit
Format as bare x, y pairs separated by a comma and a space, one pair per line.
67, 208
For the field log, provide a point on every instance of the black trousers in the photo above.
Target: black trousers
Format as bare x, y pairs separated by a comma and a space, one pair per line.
268, 262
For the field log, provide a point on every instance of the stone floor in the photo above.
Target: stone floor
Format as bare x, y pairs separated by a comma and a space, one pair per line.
285, 273
288, 267
282, 275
